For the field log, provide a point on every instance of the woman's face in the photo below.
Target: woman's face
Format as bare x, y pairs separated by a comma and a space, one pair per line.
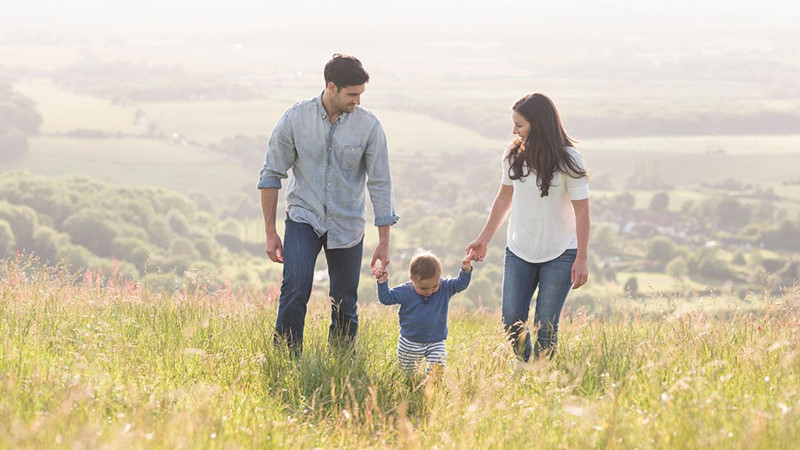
521, 126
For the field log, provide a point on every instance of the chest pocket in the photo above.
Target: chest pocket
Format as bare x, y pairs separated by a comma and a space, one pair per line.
349, 156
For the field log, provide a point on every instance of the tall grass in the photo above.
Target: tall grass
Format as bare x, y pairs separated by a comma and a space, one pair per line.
93, 360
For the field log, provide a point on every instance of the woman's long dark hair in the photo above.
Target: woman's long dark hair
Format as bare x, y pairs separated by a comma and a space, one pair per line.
544, 150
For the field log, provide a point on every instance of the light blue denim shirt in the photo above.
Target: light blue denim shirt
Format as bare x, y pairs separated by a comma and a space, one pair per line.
330, 165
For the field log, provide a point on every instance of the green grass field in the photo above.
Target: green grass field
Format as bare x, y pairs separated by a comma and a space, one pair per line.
96, 361
64, 111
134, 161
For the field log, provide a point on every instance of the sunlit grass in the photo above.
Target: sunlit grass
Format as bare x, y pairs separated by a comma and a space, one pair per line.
92, 360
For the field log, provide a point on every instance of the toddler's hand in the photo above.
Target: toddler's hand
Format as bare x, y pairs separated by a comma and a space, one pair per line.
380, 274
466, 263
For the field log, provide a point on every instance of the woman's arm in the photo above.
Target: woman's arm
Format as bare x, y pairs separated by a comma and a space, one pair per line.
580, 270
500, 209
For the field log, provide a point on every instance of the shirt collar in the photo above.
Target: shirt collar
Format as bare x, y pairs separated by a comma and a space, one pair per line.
324, 114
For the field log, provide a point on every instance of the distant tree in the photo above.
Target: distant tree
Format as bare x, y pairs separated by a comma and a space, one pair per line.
605, 239
786, 235
166, 201
763, 212
131, 249
178, 222
160, 233
732, 214
77, 256
183, 247
738, 259
660, 250
677, 267
8, 243
47, 242
231, 227
632, 286
206, 247
91, 229
609, 273
23, 221
18, 110
204, 202
13, 142
624, 200
707, 263
659, 202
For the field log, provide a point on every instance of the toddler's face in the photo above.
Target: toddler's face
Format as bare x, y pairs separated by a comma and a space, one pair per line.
426, 287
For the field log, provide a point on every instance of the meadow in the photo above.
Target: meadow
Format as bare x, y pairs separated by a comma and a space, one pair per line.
92, 360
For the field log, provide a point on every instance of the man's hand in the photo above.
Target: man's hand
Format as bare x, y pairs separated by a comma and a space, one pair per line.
274, 248
381, 254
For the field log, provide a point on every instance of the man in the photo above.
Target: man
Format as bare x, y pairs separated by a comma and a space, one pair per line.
334, 148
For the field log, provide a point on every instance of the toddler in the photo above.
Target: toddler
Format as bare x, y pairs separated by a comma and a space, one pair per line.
424, 302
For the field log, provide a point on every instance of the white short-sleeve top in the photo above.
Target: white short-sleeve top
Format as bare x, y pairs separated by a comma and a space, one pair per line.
541, 228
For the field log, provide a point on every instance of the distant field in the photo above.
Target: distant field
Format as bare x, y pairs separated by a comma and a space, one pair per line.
136, 162
682, 169
209, 122
38, 56
652, 283
731, 145
63, 111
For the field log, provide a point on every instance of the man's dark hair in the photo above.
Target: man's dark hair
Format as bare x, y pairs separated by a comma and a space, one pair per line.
345, 70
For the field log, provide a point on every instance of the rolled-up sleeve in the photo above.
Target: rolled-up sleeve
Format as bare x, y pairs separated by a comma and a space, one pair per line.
281, 154
379, 178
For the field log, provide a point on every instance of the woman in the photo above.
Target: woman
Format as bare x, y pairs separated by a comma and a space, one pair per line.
545, 188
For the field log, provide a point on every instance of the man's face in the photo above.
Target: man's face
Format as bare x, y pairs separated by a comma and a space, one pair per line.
347, 98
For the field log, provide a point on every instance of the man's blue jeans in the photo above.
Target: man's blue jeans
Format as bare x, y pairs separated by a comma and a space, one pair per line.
301, 245
520, 280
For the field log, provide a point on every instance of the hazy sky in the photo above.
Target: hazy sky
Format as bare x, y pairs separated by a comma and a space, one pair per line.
352, 15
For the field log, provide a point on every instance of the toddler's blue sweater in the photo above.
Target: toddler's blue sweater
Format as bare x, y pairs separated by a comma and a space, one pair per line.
423, 319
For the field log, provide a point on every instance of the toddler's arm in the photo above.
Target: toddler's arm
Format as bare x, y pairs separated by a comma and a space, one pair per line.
380, 274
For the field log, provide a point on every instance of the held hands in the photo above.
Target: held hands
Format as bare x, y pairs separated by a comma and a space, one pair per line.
466, 263
381, 255
380, 273
477, 249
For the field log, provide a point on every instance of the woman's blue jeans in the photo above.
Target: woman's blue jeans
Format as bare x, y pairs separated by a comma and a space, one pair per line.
520, 280
301, 245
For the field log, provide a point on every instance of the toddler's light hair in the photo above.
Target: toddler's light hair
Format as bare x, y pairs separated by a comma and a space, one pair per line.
424, 266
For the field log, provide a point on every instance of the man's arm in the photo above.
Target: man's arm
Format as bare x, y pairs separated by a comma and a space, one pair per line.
379, 178
379, 185
269, 207
280, 158
382, 250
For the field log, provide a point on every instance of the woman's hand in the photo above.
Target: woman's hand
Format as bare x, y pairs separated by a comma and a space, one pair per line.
477, 249
580, 273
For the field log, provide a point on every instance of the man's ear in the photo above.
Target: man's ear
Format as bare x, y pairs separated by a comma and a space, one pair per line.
331, 87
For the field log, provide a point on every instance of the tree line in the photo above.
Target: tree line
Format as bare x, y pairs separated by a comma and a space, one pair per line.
19, 119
